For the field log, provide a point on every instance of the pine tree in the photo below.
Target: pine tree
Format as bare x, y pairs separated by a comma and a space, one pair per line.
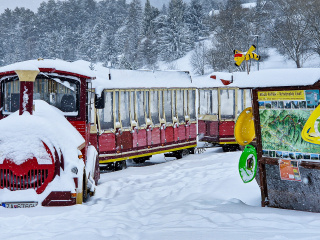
174, 37
195, 19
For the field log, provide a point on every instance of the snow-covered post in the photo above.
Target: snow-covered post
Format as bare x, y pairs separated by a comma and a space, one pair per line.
27, 79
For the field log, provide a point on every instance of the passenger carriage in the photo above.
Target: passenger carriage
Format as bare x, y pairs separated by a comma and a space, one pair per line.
142, 113
220, 103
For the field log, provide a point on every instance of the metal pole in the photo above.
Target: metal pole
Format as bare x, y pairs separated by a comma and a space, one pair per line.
257, 49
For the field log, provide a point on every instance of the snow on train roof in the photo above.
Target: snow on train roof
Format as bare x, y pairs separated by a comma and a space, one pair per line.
119, 78
72, 67
277, 78
263, 78
140, 79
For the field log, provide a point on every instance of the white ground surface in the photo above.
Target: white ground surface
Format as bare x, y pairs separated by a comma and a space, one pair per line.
198, 197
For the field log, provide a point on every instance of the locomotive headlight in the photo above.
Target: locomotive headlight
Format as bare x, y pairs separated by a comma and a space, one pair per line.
74, 170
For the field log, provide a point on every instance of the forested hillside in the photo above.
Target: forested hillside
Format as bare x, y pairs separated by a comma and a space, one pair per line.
135, 35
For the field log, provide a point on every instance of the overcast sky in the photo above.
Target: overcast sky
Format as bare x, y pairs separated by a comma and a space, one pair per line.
34, 4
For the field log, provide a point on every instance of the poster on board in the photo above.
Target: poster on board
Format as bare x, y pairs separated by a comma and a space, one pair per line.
289, 170
283, 115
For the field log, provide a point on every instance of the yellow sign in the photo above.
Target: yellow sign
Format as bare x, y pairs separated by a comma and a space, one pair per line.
282, 95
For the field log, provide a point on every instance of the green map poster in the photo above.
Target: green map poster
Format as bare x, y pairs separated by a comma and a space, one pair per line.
283, 115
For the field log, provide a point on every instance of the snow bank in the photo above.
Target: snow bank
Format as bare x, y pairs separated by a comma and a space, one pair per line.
21, 138
198, 197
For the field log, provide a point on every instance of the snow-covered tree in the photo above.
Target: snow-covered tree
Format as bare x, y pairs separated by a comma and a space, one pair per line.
194, 18
198, 58
291, 33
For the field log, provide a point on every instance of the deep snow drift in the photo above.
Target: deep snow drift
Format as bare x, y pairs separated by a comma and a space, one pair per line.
198, 197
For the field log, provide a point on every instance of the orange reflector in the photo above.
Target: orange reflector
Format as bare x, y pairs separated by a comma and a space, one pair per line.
80, 156
73, 195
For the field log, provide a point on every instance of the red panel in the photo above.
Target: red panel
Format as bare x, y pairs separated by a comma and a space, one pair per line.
126, 141
187, 131
118, 141
80, 126
193, 130
155, 136
26, 88
175, 132
202, 127
94, 140
213, 128
182, 132
163, 134
135, 138
149, 136
169, 135
142, 138
226, 129
59, 199
107, 143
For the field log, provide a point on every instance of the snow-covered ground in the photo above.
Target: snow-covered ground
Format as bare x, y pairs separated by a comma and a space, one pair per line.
198, 197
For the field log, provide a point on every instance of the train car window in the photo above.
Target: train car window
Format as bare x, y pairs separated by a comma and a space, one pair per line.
240, 102
215, 102
174, 106
11, 96
106, 114
248, 98
168, 105
185, 92
90, 107
180, 105
140, 108
227, 100
161, 104
63, 95
146, 104
154, 107
191, 104
205, 102
117, 107
132, 104
124, 109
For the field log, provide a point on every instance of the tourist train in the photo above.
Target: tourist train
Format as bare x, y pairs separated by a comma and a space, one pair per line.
62, 122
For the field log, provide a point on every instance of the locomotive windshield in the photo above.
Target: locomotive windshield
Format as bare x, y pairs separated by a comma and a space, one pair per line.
62, 94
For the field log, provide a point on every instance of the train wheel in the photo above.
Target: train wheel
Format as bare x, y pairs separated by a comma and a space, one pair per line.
192, 150
138, 160
182, 153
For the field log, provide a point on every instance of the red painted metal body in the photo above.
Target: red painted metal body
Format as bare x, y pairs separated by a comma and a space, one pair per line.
146, 142
217, 132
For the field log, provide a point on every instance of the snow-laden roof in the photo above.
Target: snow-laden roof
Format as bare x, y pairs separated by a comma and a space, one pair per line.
22, 135
263, 78
206, 81
141, 79
119, 78
72, 67
276, 78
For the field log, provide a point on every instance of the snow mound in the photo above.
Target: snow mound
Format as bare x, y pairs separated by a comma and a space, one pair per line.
22, 135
